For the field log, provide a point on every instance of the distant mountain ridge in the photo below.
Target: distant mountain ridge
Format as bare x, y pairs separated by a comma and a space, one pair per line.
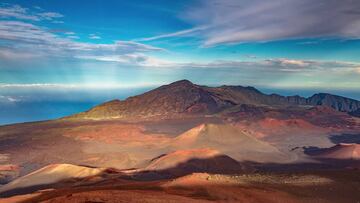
185, 98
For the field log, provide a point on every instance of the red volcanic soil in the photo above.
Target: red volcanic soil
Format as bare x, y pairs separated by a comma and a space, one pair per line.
8, 172
342, 151
115, 133
198, 195
272, 126
221, 188
322, 109
9, 167
123, 196
292, 123
318, 118
329, 118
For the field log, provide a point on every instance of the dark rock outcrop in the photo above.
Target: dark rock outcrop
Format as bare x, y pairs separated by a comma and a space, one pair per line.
336, 102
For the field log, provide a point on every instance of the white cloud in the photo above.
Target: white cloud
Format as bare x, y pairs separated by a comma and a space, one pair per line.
94, 36
10, 99
237, 21
21, 13
136, 59
24, 39
17, 12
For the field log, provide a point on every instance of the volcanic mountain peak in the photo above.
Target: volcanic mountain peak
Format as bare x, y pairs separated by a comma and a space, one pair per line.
178, 98
241, 88
183, 98
175, 87
180, 83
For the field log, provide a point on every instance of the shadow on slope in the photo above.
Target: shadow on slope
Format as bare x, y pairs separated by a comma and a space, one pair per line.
219, 164
345, 138
66, 175
153, 178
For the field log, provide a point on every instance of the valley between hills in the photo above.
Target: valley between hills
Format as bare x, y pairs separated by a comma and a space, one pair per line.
184, 142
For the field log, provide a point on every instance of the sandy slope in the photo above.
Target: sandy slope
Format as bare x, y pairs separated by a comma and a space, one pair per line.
230, 141
51, 174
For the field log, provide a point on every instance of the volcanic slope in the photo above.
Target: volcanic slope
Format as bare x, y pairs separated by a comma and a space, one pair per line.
166, 101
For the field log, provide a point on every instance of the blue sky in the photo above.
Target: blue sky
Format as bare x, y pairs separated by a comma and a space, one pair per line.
133, 44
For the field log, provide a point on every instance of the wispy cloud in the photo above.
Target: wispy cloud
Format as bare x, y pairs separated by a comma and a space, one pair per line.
279, 73
58, 86
21, 13
237, 21
274, 66
175, 34
17, 12
280, 65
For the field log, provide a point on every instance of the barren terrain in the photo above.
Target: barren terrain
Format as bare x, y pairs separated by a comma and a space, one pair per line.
224, 144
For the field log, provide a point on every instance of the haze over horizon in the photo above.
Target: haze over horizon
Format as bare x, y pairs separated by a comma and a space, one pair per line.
51, 51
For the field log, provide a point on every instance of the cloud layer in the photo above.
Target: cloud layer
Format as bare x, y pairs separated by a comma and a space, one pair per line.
21, 13
21, 37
